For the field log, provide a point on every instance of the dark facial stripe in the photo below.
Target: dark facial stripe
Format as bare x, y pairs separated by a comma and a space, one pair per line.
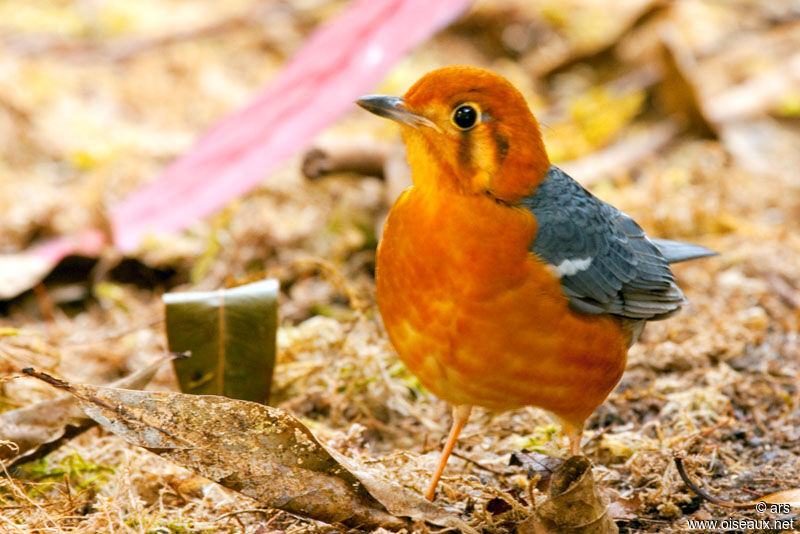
501, 146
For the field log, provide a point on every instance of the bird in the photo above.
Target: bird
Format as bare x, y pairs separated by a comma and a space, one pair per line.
500, 280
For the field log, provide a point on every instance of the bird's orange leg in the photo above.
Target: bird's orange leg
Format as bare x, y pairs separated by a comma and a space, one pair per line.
574, 434
460, 418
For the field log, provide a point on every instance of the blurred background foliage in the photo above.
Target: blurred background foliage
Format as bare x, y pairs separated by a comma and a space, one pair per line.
684, 113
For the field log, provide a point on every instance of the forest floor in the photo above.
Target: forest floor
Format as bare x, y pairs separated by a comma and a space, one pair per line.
685, 115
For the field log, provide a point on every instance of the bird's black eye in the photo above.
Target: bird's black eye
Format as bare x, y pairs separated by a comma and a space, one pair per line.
465, 116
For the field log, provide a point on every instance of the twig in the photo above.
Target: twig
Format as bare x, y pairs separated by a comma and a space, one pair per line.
678, 457
709, 431
248, 511
366, 161
481, 466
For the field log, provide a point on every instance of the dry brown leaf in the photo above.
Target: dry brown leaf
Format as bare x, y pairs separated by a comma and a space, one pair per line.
41, 427
623, 155
789, 496
20, 272
678, 91
574, 506
621, 509
260, 451
537, 465
733, 91
26, 429
570, 37
400, 501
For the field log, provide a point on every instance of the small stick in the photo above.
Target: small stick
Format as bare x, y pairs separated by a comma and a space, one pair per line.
367, 161
44, 377
481, 466
678, 457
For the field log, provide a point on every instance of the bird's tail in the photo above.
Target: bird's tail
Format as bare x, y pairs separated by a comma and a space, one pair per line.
675, 251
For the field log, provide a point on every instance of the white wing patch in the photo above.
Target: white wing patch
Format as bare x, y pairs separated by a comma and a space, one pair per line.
571, 267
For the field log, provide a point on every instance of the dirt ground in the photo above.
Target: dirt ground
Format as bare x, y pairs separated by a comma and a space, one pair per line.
683, 114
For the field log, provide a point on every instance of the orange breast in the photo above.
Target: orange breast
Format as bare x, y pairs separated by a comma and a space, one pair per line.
479, 320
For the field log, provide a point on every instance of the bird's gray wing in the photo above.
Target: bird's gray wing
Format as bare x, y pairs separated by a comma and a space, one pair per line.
604, 260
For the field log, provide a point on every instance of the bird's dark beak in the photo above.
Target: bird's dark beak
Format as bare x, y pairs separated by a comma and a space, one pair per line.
393, 107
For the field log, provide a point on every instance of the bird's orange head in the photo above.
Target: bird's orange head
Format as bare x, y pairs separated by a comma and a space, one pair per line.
468, 130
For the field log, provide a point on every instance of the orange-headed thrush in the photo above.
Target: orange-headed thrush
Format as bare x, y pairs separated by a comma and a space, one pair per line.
501, 281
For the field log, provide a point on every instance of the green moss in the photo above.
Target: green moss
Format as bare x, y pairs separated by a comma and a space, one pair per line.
400, 371
79, 473
540, 436
177, 527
